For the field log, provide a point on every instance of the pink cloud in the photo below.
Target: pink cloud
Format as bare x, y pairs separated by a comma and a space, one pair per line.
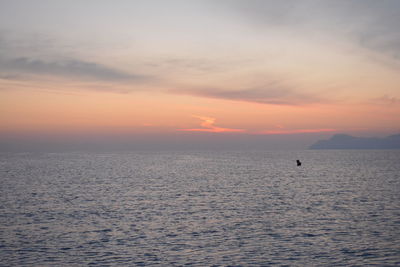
208, 126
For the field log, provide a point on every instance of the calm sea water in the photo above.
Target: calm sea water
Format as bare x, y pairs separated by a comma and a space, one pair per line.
200, 208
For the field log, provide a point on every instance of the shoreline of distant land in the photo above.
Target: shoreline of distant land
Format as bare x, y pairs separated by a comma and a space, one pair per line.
345, 141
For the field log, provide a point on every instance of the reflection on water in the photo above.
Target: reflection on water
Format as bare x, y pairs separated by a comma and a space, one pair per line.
200, 208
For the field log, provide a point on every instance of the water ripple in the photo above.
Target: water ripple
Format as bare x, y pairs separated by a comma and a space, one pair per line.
200, 208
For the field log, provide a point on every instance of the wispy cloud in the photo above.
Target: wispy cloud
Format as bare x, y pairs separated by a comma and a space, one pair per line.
297, 131
208, 126
42, 63
73, 68
269, 94
273, 92
386, 100
370, 24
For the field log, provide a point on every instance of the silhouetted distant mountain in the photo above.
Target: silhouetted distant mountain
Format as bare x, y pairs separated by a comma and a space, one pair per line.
344, 141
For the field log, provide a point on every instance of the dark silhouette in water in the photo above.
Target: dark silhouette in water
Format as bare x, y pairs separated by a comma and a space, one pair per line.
298, 162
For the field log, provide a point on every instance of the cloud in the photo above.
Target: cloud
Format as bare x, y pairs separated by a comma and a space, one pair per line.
386, 100
270, 94
370, 24
298, 131
208, 126
380, 31
6, 76
273, 92
66, 68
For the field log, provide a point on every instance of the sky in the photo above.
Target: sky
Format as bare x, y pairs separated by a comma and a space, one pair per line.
158, 74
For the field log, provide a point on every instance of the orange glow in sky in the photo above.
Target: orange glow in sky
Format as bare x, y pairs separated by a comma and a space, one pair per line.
208, 126
136, 69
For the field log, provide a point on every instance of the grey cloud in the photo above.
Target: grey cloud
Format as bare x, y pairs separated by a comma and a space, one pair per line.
6, 76
377, 25
386, 100
264, 11
70, 68
369, 23
197, 65
263, 95
192, 64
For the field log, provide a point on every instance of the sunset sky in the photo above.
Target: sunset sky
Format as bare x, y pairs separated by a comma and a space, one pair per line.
198, 72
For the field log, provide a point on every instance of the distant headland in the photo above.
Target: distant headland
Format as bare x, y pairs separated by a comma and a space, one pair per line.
344, 141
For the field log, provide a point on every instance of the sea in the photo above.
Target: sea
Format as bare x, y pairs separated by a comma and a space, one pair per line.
200, 208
